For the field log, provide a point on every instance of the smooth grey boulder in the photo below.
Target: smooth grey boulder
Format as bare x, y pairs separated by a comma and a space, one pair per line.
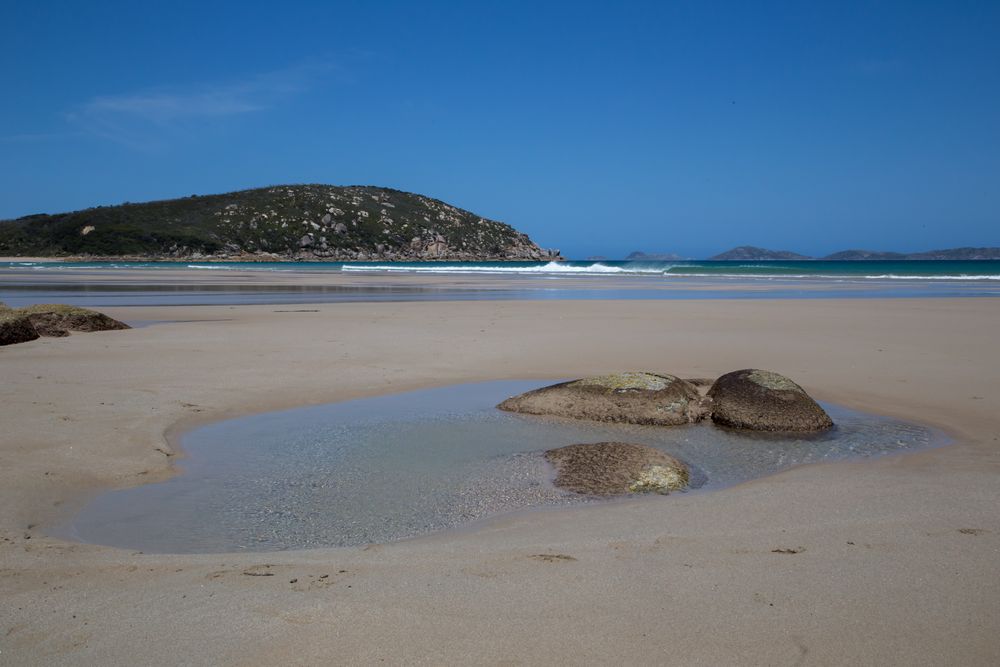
633, 398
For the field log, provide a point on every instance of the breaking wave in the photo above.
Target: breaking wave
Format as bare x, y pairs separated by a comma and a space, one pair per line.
553, 268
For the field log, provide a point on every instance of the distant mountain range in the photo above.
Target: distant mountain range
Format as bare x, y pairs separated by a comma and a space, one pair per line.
284, 222
752, 253
949, 253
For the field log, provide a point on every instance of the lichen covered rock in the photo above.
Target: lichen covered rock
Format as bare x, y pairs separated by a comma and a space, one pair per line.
765, 401
15, 328
633, 398
616, 468
660, 479
60, 320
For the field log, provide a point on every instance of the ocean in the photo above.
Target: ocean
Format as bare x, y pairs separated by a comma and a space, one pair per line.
104, 284
930, 270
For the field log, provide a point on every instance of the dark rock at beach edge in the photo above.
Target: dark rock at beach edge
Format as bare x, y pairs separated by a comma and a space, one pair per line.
760, 400
20, 325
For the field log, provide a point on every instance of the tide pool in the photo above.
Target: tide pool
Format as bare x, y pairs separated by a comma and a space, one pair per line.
391, 467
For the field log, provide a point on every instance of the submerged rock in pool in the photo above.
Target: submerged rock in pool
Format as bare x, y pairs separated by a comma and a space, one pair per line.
765, 401
59, 320
633, 398
15, 328
616, 468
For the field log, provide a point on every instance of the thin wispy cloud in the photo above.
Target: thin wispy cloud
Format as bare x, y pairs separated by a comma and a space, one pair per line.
148, 119
163, 107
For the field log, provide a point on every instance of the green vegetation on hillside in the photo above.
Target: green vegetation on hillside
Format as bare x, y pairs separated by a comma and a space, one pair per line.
286, 222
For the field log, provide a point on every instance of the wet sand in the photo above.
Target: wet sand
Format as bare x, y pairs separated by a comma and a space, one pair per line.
8, 258
98, 287
891, 561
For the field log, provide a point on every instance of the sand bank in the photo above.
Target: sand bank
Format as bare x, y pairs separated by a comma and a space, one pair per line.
893, 561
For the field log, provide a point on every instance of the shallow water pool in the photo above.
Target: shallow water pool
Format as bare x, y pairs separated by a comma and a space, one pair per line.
385, 468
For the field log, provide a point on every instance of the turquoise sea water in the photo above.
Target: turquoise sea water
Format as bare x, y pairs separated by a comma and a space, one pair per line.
821, 269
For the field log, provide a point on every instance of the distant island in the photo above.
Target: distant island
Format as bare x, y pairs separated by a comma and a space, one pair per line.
284, 222
865, 255
749, 252
639, 256
752, 253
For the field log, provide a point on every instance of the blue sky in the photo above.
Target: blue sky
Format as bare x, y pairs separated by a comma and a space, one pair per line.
597, 128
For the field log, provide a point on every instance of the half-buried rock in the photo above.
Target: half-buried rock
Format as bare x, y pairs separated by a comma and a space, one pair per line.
16, 328
616, 468
633, 398
60, 320
765, 401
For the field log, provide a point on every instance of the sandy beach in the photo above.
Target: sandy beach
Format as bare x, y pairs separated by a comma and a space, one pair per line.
896, 560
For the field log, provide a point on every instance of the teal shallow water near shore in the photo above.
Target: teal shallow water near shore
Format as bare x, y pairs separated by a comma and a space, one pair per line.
391, 467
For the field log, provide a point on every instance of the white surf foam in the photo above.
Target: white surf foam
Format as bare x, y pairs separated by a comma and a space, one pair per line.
552, 268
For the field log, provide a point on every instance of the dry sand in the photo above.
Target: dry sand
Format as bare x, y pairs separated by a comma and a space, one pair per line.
891, 561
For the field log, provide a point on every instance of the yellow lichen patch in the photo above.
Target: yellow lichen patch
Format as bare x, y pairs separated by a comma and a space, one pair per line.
772, 381
630, 381
659, 479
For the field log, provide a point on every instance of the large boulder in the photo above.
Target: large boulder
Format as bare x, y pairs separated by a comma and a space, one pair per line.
765, 401
59, 320
633, 398
616, 468
15, 328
